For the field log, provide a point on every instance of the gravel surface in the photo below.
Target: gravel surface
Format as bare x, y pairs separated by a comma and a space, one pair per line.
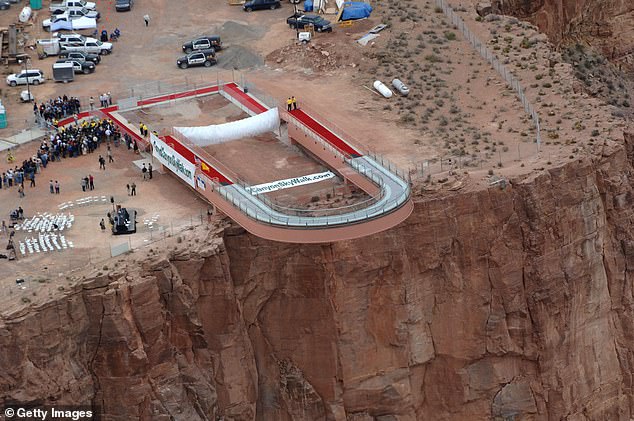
238, 57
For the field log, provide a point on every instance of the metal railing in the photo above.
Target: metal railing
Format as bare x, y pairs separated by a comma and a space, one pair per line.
265, 210
488, 55
272, 203
256, 213
333, 128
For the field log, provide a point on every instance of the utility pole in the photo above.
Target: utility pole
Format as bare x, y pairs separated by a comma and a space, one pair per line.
296, 19
28, 85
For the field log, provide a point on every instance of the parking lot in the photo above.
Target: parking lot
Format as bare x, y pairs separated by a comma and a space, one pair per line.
145, 54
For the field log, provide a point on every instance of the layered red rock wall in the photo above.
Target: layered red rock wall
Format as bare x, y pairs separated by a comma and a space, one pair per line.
562, 19
485, 305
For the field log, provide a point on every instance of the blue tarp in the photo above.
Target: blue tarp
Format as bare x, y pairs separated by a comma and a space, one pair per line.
355, 10
308, 5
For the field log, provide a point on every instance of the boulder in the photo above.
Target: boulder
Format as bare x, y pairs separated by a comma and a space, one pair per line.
484, 8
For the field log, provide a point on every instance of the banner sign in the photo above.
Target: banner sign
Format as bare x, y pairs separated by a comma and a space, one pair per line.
289, 182
173, 160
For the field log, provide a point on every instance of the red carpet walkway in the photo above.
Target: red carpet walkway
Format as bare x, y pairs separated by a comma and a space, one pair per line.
247, 100
326, 134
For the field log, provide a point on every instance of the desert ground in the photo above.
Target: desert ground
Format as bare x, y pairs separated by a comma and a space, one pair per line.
460, 128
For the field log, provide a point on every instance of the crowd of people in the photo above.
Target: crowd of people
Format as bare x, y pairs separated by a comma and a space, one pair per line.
16, 177
73, 140
53, 110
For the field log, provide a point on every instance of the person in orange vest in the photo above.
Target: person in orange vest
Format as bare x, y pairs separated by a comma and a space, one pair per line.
289, 103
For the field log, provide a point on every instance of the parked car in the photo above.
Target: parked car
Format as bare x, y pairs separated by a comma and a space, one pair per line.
90, 45
80, 55
205, 58
71, 4
79, 66
34, 77
123, 5
70, 37
76, 13
260, 4
299, 20
64, 21
203, 43
4, 5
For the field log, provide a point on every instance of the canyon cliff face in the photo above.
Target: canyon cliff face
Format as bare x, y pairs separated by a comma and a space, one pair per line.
562, 19
496, 304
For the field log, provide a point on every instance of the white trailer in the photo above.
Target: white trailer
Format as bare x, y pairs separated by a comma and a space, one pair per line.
47, 47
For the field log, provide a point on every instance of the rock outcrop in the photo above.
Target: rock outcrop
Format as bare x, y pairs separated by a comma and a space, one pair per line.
562, 19
496, 304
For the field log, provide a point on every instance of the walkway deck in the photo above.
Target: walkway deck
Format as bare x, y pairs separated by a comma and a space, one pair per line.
391, 205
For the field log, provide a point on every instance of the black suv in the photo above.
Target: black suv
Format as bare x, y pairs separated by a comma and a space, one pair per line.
203, 43
299, 20
261, 4
205, 58
79, 66
123, 5
81, 56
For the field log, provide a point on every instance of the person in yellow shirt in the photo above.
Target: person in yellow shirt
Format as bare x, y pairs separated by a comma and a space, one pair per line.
289, 103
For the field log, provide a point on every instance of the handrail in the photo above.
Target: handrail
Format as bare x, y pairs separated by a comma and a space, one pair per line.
264, 210
298, 212
252, 212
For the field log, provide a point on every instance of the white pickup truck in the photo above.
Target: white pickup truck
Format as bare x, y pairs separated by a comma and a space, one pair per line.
72, 4
69, 23
89, 45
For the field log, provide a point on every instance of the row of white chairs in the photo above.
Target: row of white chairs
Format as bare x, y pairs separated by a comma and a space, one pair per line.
44, 243
46, 222
151, 221
84, 201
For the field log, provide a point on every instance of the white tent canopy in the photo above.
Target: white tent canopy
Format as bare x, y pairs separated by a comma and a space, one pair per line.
219, 133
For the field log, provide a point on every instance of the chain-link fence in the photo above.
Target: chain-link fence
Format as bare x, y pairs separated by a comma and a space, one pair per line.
488, 55
173, 86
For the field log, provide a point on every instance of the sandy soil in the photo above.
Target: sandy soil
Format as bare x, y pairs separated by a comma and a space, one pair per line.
459, 108
211, 109
174, 204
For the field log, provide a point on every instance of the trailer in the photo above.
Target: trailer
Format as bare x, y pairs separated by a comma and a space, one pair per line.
63, 72
47, 47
